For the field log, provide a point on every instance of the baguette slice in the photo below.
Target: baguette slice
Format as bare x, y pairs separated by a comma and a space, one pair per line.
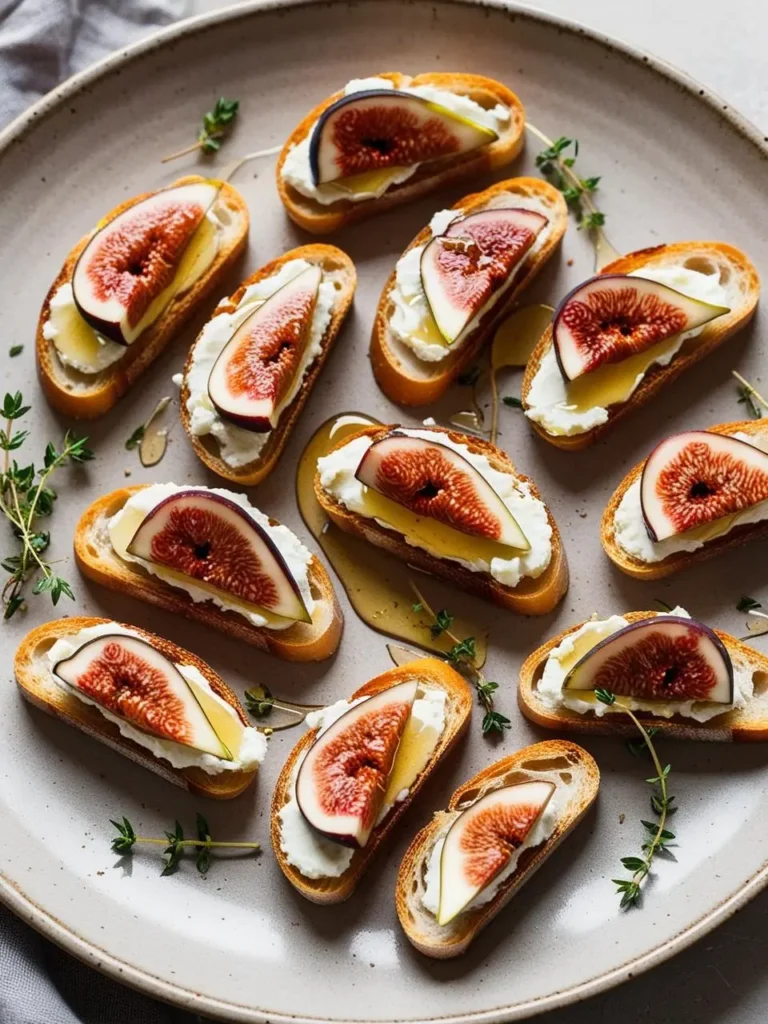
322, 220
578, 772
39, 688
87, 396
530, 597
206, 447
682, 559
408, 380
434, 673
748, 724
739, 277
303, 641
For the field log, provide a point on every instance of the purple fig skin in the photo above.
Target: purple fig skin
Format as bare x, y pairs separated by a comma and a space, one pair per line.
247, 520
317, 133
557, 315
678, 620
107, 328
644, 475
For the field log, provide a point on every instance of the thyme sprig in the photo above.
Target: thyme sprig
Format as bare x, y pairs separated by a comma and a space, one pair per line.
216, 124
174, 844
751, 398
657, 835
463, 654
25, 497
578, 192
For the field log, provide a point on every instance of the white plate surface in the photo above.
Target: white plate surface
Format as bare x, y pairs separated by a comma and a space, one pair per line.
241, 944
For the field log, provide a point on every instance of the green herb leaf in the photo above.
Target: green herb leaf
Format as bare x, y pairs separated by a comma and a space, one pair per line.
259, 701
443, 621
15, 350
748, 604
417, 607
464, 649
216, 124
203, 860
513, 402
123, 842
605, 697
495, 722
136, 438
747, 399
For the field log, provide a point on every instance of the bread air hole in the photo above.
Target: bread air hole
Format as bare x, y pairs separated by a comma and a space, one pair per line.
760, 682
705, 265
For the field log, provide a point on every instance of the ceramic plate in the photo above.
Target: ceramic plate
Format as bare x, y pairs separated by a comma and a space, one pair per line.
675, 164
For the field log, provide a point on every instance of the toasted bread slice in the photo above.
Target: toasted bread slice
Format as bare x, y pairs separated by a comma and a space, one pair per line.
530, 597
38, 686
97, 559
86, 396
633, 566
206, 447
435, 674
321, 220
747, 724
740, 279
568, 765
408, 380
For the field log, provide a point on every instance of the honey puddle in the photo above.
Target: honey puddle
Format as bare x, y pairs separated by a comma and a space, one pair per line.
154, 440
377, 584
513, 343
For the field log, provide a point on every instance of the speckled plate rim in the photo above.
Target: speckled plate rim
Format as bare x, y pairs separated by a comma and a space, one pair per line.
161, 988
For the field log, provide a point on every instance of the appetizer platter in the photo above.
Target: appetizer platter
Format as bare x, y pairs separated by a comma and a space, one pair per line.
385, 489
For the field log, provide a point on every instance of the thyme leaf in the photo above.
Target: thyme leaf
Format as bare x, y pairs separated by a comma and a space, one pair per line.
174, 844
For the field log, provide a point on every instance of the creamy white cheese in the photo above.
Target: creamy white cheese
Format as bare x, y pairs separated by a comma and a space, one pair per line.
548, 397
237, 446
632, 535
296, 169
124, 523
582, 640
254, 744
410, 310
314, 855
64, 318
337, 477
541, 831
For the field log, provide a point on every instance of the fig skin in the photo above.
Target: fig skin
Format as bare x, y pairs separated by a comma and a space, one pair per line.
279, 588
697, 477
427, 132
701, 651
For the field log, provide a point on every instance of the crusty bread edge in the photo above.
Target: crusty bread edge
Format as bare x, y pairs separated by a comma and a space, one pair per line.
728, 727
323, 220
712, 335
474, 921
405, 389
682, 559
532, 596
433, 672
206, 448
292, 644
66, 707
112, 383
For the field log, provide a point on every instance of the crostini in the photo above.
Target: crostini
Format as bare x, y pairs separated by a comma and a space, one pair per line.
127, 288
389, 139
673, 672
211, 556
451, 505
455, 282
145, 697
254, 363
499, 827
619, 337
353, 775
696, 495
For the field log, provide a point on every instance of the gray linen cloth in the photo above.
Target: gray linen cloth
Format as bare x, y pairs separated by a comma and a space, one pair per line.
41, 43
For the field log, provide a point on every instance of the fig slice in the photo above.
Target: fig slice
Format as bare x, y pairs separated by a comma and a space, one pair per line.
342, 781
257, 367
432, 480
482, 840
465, 270
667, 658
613, 316
696, 478
209, 539
129, 263
130, 678
384, 128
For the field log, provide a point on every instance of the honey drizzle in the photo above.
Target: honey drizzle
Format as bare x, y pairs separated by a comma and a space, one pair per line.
154, 442
513, 343
377, 584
